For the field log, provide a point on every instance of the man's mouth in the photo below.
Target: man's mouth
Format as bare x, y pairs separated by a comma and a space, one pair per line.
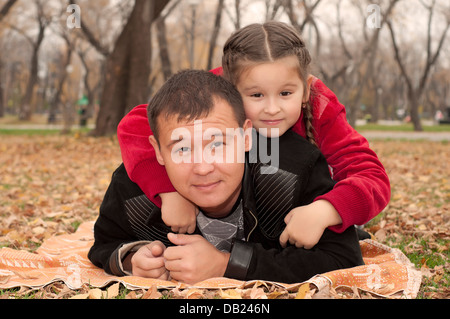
206, 186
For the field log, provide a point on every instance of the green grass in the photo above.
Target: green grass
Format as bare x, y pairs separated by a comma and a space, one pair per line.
425, 253
28, 132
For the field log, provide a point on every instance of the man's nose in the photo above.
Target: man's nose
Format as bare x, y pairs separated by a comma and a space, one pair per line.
203, 167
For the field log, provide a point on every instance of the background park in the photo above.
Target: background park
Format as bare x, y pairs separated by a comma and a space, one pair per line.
70, 70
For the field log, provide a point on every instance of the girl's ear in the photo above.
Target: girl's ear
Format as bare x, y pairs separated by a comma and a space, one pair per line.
155, 145
308, 88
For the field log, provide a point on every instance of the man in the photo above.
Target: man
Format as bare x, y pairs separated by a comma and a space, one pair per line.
199, 136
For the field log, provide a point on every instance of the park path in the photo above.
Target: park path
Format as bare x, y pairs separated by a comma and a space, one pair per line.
429, 136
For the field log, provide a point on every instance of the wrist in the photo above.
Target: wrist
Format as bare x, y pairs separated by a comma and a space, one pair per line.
330, 215
127, 263
225, 258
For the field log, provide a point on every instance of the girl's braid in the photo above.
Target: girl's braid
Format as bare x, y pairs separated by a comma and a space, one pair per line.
307, 121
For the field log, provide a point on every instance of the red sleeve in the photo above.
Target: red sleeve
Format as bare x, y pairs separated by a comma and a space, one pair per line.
139, 156
217, 71
362, 190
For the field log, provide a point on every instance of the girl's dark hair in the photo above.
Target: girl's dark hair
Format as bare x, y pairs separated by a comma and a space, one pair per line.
190, 95
268, 42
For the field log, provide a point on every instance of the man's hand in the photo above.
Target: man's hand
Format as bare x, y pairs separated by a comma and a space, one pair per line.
178, 213
306, 224
194, 259
148, 261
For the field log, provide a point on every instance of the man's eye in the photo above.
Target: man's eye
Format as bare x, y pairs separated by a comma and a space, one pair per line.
183, 149
216, 144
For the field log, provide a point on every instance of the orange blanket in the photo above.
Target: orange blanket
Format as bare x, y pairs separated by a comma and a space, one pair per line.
387, 271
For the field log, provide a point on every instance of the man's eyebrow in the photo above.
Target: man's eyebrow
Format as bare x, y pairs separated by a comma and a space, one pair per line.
222, 134
174, 141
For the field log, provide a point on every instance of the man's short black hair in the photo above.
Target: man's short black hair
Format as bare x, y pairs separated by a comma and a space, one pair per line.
190, 95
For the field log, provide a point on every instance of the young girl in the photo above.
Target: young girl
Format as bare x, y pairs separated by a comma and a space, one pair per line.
268, 63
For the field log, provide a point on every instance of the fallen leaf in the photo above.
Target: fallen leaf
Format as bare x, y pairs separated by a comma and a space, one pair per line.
38, 230
96, 293
194, 293
152, 293
283, 294
302, 291
380, 235
113, 291
131, 295
231, 294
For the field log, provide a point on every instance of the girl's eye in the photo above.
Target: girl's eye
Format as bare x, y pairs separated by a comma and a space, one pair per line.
257, 95
285, 93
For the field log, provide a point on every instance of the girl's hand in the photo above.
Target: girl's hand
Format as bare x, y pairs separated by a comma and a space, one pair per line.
178, 213
306, 224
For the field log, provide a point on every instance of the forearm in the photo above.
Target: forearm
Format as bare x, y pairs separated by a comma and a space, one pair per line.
139, 156
362, 190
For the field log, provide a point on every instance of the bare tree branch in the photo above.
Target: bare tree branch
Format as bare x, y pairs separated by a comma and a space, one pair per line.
91, 38
397, 55
341, 37
4, 11
432, 58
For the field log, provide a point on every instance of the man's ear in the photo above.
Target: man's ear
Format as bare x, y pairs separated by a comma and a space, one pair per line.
308, 88
248, 134
155, 145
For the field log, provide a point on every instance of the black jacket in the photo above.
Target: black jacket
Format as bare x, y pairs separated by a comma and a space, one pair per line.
128, 216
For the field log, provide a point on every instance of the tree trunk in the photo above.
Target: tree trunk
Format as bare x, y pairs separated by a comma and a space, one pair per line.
215, 34
413, 100
3, 12
25, 108
128, 67
375, 114
56, 100
90, 92
2, 104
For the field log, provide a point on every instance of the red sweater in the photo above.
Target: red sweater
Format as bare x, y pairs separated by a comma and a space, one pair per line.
362, 189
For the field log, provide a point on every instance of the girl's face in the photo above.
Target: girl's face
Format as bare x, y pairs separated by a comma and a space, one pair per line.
273, 93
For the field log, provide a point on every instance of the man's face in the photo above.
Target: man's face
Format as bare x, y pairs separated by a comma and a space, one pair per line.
204, 159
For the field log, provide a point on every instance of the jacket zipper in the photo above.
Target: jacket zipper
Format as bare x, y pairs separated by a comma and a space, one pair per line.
254, 227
